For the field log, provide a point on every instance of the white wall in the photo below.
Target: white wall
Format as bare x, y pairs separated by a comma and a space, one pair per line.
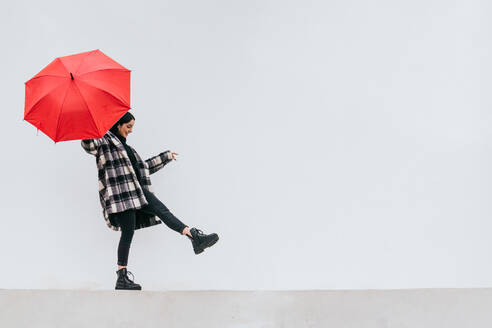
331, 144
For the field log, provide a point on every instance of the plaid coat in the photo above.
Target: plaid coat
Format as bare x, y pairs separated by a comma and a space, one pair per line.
119, 188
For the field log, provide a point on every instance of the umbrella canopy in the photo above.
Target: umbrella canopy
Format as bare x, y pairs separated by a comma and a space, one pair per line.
78, 97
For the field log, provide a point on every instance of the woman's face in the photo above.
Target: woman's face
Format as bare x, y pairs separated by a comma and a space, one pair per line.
126, 128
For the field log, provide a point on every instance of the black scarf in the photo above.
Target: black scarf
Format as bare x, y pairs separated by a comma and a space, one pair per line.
122, 139
132, 157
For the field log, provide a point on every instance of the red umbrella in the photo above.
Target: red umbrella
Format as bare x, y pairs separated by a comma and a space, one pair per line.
78, 97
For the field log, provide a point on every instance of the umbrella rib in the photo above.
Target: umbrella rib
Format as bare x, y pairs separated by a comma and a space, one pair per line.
88, 108
37, 77
110, 94
47, 94
61, 62
107, 69
59, 114
82, 61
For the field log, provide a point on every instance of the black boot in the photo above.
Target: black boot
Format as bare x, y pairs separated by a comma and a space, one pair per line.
201, 241
123, 282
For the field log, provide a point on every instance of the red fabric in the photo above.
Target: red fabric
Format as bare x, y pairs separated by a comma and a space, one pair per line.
84, 107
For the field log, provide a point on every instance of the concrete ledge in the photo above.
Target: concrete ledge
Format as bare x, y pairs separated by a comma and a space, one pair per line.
420, 308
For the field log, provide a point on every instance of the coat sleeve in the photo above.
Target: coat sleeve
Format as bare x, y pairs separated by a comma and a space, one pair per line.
91, 145
157, 162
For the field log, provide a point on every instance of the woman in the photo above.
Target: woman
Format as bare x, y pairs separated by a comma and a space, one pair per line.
126, 196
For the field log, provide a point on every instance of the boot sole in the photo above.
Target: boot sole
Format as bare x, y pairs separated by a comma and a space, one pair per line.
121, 288
212, 242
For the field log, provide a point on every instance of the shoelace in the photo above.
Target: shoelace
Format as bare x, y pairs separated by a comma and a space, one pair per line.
199, 233
131, 274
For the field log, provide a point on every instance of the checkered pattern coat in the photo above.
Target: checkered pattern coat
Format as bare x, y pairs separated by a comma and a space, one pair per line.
119, 188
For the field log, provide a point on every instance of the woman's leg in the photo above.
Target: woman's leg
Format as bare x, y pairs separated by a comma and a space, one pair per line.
127, 224
156, 207
199, 240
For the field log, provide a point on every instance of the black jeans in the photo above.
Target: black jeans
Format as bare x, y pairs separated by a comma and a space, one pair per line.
127, 223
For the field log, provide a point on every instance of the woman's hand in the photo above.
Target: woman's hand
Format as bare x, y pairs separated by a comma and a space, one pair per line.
173, 154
